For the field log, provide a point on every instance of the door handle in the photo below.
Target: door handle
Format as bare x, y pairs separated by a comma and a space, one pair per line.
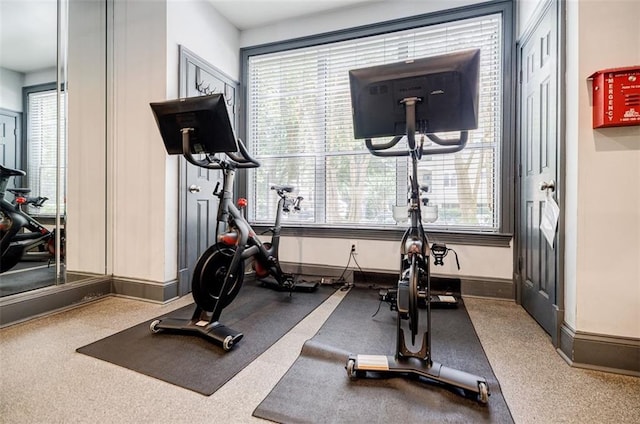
551, 185
194, 188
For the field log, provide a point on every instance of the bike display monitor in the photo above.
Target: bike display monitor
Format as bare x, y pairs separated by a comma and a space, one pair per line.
207, 119
445, 86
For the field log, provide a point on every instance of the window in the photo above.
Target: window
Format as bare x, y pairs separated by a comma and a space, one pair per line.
298, 124
41, 145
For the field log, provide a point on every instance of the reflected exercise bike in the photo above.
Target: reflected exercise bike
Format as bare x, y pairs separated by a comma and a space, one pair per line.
21, 235
200, 125
425, 96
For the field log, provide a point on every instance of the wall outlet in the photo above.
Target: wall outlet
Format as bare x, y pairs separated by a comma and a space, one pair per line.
354, 247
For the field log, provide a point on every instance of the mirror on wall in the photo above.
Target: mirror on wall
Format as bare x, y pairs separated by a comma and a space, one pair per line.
33, 147
53, 95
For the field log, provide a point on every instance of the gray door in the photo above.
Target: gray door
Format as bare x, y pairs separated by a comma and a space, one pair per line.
540, 136
198, 210
9, 151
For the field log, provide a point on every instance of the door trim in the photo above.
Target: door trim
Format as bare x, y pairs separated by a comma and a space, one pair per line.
186, 56
19, 160
538, 15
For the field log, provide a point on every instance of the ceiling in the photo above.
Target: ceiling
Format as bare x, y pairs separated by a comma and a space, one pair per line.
28, 27
28, 34
247, 14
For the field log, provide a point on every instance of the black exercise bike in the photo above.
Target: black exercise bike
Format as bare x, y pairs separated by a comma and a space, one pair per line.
413, 289
219, 272
21, 235
450, 82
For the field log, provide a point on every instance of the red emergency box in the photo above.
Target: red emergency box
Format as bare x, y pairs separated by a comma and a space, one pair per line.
616, 97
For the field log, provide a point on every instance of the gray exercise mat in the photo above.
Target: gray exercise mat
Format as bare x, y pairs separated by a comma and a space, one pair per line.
316, 388
192, 362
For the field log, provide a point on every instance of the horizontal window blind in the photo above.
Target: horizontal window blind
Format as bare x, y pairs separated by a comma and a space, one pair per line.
42, 148
299, 126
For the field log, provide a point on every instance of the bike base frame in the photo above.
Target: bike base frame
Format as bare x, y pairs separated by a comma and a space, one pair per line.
409, 363
200, 324
360, 366
299, 286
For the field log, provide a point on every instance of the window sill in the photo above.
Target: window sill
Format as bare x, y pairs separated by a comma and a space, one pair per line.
450, 237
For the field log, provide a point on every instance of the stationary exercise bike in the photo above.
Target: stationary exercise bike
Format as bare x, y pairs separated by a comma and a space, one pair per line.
202, 124
411, 87
21, 234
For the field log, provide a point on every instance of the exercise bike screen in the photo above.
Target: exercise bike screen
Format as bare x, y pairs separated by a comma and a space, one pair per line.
446, 87
205, 116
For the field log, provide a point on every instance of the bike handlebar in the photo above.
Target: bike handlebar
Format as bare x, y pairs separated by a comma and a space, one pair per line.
244, 160
241, 160
449, 146
416, 150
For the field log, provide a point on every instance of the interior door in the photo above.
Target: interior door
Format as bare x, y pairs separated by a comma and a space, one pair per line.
9, 156
537, 265
198, 211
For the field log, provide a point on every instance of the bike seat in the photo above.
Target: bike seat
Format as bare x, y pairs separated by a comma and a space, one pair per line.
8, 172
19, 191
287, 188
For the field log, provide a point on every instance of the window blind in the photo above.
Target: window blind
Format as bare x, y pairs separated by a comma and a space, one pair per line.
299, 126
42, 144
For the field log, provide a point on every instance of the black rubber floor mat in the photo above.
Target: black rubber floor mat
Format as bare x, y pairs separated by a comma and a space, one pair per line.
316, 388
197, 364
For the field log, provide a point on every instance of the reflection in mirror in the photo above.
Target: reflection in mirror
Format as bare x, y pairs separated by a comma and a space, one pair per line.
33, 145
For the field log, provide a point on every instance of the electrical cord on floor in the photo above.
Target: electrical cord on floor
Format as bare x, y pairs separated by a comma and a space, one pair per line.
341, 281
377, 310
388, 298
353, 255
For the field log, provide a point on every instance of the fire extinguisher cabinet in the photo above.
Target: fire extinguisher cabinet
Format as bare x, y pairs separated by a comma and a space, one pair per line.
616, 97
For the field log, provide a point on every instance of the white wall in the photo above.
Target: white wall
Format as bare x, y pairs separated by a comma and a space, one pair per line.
489, 262
143, 200
86, 148
384, 256
603, 286
42, 76
11, 84
197, 26
137, 160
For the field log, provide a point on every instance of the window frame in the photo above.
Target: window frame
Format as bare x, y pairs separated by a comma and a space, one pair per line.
504, 234
26, 91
